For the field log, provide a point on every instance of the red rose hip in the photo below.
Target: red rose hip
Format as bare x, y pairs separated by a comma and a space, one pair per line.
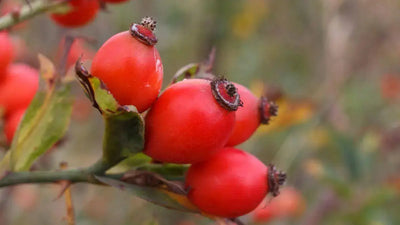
187, 123
6, 53
231, 183
18, 88
81, 13
130, 66
254, 112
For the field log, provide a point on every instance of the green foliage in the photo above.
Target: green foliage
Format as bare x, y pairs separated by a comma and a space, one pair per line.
103, 98
124, 134
155, 195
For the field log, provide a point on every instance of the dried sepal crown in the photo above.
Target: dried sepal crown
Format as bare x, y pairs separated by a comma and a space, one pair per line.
226, 94
143, 32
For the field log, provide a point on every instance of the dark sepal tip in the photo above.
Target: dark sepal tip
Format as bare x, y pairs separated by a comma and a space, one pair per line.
267, 109
83, 78
275, 179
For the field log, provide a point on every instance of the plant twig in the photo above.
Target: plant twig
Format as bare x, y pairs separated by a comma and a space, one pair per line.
87, 175
28, 11
70, 206
74, 175
46, 177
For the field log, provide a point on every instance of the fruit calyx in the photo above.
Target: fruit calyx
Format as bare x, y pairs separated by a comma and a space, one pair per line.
144, 31
267, 110
83, 76
275, 179
226, 94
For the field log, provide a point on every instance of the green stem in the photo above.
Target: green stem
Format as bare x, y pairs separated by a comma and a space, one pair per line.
74, 175
87, 175
28, 11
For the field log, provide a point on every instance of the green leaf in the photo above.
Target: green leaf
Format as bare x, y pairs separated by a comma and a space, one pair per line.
124, 134
196, 70
132, 162
96, 91
188, 71
169, 171
155, 195
103, 97
44, 123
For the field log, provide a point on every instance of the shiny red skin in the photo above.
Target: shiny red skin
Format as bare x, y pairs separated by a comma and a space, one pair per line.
229, 184
82, 12
6, 53
247, 117
131, 70
186, 124
114, 1
18, 88
11, 124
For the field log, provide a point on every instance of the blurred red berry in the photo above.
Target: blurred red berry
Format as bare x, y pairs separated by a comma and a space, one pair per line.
77, 50
11, 124
26, 197
81, 13
6, 53
390, 87
18, 88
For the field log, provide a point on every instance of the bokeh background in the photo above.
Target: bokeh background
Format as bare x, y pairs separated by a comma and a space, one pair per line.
333, 66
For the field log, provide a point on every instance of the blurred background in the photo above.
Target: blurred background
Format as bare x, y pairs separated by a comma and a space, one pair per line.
332, 66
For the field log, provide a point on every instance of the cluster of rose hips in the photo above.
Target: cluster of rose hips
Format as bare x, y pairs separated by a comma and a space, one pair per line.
194, 121
18, 85
81, 12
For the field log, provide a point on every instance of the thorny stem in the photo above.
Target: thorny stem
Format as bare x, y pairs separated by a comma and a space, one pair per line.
87, 175
74, 175
28, 11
